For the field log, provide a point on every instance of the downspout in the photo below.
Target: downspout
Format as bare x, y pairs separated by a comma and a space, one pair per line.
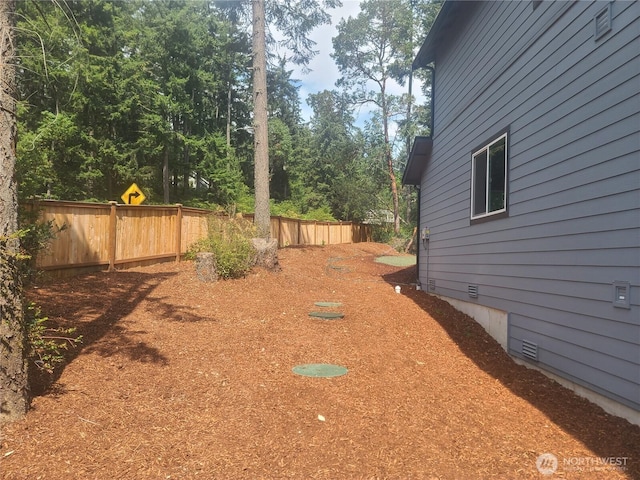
417, 186
424, 243
431, 100
419, 242
431, 120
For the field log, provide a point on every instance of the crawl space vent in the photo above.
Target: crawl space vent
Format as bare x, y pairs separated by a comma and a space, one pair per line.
432, 284
529, 350
473, 291
602, 21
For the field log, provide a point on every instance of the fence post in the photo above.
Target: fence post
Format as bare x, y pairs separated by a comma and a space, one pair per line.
112, 236
178, 232
315, 232
280, 244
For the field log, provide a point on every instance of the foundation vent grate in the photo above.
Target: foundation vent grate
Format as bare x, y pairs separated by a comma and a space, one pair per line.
473, 291
431, 284
530, 350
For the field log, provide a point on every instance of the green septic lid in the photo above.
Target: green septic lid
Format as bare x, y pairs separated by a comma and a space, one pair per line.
397, 260
328, 304
320, 370
326, 315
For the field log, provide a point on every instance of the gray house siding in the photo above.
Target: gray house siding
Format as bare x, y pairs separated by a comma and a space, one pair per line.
571, 105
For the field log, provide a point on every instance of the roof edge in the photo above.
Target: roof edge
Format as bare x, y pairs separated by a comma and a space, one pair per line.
449, 11
420, 154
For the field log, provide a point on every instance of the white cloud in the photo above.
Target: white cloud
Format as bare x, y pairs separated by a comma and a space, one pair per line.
324, 72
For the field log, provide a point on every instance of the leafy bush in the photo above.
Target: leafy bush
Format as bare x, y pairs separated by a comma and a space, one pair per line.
382, 233
46, 344
320, 214
35, 237
290, 209
229, 239
286, 208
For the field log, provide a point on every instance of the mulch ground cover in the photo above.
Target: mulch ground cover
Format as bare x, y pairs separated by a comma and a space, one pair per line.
179, 379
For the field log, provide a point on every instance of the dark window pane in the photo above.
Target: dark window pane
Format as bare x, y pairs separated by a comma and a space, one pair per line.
480, 183
497, 163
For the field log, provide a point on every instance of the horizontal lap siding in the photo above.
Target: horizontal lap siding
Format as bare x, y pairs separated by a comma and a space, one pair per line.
572, 106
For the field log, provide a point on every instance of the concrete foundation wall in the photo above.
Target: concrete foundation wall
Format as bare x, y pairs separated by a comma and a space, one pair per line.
496, 322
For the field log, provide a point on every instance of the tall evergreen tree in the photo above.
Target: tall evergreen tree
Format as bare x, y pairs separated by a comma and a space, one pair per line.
348, 181
14, 398
133, 91
284, 99
262, 217
295, 20
366, 51
373, 49
157, 92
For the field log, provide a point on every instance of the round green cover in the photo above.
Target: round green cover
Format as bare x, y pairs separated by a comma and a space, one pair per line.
320, 370
327, 315
328, 304
397, 260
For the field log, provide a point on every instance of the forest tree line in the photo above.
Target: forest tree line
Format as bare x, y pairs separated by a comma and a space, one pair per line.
158, 92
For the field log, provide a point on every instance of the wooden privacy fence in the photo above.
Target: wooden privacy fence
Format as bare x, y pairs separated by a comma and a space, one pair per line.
107, 236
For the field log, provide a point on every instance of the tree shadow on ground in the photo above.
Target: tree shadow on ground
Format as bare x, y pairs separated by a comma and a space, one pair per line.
95, 304
179, 313
607, 435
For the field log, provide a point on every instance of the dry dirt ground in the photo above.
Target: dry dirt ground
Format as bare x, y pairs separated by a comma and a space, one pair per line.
181, 379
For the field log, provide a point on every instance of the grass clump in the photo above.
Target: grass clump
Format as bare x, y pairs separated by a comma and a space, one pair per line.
229, 239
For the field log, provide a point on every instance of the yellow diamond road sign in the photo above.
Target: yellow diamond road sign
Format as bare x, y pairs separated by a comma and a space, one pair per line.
133, 195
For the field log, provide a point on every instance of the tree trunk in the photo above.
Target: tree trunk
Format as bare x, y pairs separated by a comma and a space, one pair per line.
14, 399
389, 160
165, 175
228, 122
394, 188
262, 217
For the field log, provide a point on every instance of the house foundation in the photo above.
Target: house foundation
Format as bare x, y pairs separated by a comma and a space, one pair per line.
496, 322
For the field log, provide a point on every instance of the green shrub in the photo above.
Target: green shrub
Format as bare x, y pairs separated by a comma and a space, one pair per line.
35, 237
47, 344
291, 209
382, 233
320, 214
229, 239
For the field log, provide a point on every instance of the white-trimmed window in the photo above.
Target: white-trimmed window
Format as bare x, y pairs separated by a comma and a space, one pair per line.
489, 179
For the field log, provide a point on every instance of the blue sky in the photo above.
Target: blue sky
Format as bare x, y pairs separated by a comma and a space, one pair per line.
324, 71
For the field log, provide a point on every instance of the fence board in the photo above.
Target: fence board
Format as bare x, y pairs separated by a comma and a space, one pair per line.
145, 233
194, 227
109, 235
307, 233
287, 231
80, 239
